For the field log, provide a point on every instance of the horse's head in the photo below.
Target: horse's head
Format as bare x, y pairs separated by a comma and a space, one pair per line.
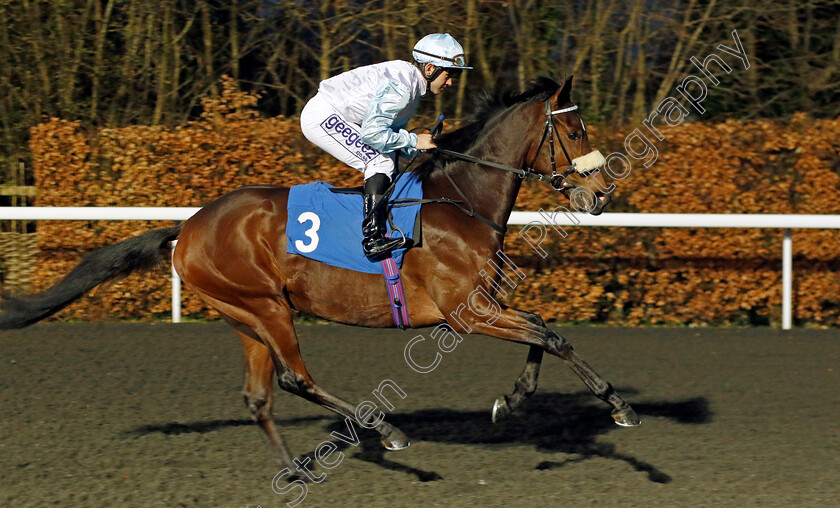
564, 154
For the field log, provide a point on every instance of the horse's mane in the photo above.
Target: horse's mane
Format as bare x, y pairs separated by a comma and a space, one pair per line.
488, 105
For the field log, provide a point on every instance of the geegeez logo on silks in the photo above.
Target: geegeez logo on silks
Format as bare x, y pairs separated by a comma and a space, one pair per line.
352, 141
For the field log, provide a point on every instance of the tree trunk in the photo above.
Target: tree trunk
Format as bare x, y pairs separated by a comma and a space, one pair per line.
163, 64
233, 33
102, 21
207, 40
467, 44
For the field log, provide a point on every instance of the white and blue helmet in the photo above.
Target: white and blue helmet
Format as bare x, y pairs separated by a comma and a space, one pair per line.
442, 50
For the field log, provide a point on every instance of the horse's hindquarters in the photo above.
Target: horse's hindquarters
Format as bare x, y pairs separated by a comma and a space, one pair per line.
230, 246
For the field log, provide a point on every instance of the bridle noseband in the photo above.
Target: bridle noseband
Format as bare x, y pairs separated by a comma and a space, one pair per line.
556, 180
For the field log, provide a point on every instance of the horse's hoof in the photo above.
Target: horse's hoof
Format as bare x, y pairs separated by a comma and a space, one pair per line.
626, 417
500, 409
396, 441
393, 446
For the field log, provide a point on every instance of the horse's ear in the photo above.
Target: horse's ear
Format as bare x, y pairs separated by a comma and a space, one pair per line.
565, 94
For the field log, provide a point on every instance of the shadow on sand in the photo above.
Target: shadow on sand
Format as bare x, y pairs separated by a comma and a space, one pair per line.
551, 422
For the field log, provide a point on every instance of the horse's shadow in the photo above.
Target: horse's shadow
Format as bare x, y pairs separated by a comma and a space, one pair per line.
551, 422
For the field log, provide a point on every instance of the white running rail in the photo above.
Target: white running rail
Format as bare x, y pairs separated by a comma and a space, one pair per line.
664, 220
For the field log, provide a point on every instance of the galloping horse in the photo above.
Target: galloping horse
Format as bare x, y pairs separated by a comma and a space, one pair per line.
232, 253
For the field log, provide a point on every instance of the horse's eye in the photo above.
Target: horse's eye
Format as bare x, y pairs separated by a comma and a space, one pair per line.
574, 136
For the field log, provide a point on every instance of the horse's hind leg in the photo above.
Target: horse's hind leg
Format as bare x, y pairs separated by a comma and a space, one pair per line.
271, 319
257, 390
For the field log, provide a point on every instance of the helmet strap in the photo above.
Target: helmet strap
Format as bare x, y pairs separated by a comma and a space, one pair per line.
438, 70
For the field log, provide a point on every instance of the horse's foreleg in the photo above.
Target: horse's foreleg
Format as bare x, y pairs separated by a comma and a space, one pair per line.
622, 413
526, 383
521, 327
524, 387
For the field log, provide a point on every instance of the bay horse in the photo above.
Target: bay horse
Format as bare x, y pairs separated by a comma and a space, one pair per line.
232, 253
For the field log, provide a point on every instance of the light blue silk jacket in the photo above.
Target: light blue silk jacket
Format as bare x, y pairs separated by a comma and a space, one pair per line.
381, 99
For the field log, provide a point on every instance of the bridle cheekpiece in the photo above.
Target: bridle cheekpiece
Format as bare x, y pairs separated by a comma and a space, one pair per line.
557, 179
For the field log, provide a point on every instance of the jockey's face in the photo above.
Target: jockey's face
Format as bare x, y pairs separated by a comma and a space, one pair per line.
443, 80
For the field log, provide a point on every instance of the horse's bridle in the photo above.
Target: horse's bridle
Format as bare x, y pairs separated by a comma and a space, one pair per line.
556, 180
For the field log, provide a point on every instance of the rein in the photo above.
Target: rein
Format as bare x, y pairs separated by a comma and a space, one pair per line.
522, 173
556, 180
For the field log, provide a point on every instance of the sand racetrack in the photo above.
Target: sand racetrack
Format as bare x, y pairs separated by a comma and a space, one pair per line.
151, 415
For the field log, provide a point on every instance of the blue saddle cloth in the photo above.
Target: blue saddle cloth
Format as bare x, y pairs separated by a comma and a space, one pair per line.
327, 227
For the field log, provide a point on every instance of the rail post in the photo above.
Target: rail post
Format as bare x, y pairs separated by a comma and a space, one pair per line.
176, 288
787, 280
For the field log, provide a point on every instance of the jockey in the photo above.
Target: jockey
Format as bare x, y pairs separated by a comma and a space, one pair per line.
359, 117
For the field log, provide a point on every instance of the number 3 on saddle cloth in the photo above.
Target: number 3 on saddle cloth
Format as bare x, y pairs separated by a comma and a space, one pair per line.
325, 224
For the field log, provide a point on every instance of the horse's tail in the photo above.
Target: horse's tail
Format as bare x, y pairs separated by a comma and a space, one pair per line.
111, 262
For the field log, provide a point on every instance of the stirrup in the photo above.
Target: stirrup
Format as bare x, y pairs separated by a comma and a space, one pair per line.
377, 246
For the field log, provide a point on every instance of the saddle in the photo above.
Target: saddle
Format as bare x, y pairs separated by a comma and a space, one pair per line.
325, 223
414, 241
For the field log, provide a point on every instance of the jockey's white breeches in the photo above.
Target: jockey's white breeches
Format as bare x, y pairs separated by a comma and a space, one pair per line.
326, 128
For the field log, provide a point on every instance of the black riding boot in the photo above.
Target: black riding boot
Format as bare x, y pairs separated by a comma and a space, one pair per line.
374, 228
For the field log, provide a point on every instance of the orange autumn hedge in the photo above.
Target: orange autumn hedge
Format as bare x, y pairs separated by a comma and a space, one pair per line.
612, 275
230, 146
703, 276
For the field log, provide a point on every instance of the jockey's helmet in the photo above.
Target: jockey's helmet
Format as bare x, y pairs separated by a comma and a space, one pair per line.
442, 50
